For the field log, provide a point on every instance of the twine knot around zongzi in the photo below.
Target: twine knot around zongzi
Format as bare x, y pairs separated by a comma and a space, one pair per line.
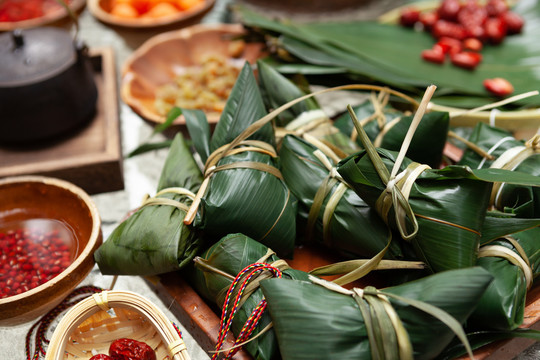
510, 160
518, 257
387, 335
158, 200
396, 196
309, 121
392, 196
211, 167
325, 188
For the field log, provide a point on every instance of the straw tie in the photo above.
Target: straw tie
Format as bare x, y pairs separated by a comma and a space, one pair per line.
392, 196
101, 301
308, 121
510, 160
379, 102
518, 257
157, 200
388, 338
325, 188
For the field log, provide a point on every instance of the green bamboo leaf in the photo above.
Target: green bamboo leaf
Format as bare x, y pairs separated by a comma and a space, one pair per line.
449, 205
172, 115
427, 144
503, 304
498, 226
199, 131
147, 147
520, 199
354, 229
278, 90
244, 106
245, 190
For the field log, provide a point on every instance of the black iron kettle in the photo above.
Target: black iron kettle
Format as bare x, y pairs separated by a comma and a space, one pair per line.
47, 86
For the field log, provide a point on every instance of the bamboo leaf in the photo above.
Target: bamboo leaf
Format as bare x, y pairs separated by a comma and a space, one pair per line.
199, 131
244, 106
147, 147
498, 226
362, 48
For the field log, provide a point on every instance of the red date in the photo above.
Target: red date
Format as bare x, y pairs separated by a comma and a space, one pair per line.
129, 349
101, 357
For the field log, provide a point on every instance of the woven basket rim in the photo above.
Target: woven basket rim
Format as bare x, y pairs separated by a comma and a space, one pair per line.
104, 301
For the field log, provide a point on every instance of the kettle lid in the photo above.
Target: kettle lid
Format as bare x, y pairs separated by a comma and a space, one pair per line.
33, 55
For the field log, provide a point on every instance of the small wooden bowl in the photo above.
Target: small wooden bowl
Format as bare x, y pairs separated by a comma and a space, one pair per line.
160, 59
48, 18
95, 322
37, 197
101, 10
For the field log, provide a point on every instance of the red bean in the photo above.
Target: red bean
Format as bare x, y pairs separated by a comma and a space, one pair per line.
27, 256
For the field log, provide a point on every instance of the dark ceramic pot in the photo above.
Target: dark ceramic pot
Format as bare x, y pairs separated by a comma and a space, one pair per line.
47, 86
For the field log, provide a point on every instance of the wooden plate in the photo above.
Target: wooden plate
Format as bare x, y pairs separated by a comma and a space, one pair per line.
100, 9
159, 60
49, 18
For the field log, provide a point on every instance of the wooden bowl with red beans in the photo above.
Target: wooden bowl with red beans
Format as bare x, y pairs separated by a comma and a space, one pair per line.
49, 230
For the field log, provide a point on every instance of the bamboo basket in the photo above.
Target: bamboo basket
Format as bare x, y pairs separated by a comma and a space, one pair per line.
90, 326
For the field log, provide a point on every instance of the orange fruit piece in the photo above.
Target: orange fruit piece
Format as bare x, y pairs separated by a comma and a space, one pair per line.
141, 6
187, 4
124, 10
162, 9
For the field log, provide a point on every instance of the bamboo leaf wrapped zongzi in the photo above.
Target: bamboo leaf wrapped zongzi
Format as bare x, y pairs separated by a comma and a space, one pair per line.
440, 211
332, 212
243, 190
316, 322
154, 240
214, 273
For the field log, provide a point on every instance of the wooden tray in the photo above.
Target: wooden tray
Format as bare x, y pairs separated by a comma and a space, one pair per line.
202, 322
90, 158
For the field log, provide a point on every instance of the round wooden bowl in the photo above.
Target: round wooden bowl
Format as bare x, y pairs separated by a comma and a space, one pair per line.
100, 9
37, 197
160, 59
48, 18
